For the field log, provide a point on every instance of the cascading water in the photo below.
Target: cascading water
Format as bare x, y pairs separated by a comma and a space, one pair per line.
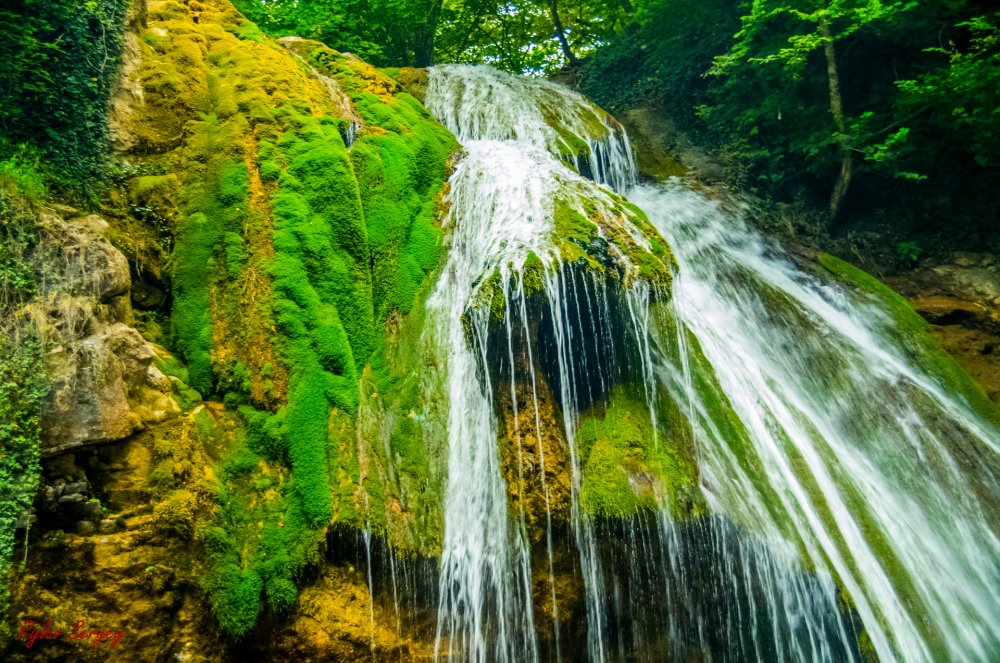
503, 199
886, 478
852, 498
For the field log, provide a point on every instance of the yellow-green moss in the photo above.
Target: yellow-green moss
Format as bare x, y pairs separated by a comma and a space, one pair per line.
290, 255
627, 467
403, 437
580, 243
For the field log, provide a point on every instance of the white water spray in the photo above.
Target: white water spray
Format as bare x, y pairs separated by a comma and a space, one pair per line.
841, 468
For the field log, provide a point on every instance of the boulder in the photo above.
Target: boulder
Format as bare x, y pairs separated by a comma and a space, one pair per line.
104, 388
79, 261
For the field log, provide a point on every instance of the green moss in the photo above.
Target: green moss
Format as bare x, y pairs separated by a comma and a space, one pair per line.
208, 245
490, 295
249, 32
628, 466
403, 402
235, 598
162, 476
533, 274
186, 397
170, 365
281, 594
176, 514
569, 144
266, 434
580, 243
911, 330
280, 226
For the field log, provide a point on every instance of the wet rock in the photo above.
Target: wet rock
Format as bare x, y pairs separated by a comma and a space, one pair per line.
148, 295
950, 311
85, 527
663, 150
970, 280
534, 455
91, 510
962, 259
80, 487
26, 520
961, 301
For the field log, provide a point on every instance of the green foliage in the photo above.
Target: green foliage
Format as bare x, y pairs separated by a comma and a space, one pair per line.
963, 94
18, 236
650, 64
908, 252
520, 36
22, 388
517, 36
380, 31
917, 85
20, 173
60, 62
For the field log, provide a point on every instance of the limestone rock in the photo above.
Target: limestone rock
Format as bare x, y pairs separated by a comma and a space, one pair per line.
93, 223
104, 388
940, 310
81, 262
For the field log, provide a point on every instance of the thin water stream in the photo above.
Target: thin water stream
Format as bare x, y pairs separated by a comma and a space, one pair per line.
851, 494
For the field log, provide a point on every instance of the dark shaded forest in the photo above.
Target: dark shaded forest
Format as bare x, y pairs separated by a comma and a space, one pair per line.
860, 114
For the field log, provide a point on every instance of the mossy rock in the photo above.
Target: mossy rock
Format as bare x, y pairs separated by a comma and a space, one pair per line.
291, 255
600, 237
631, 463
413, 79
912, 331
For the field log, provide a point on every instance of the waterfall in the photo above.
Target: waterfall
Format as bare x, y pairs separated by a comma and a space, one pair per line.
886, 477
850, 498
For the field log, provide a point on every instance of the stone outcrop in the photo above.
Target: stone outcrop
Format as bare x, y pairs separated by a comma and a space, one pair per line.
104, 386
108, 556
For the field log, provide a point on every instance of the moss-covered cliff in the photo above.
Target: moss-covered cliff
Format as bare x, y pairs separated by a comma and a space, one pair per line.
246, 440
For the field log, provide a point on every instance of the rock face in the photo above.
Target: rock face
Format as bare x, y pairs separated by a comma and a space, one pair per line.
111, 562
104, 388
84, 280
103, 384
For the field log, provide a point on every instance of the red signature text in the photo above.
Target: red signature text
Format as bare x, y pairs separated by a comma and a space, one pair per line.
32, 632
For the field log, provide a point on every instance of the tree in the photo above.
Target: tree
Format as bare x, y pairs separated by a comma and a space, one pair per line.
961, 97
787, 33
383, 32
553, 6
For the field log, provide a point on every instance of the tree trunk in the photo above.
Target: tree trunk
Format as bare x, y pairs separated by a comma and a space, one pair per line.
837, 110
423, 37
561, 32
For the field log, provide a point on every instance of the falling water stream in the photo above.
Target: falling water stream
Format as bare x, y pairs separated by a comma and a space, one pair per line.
852, 497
